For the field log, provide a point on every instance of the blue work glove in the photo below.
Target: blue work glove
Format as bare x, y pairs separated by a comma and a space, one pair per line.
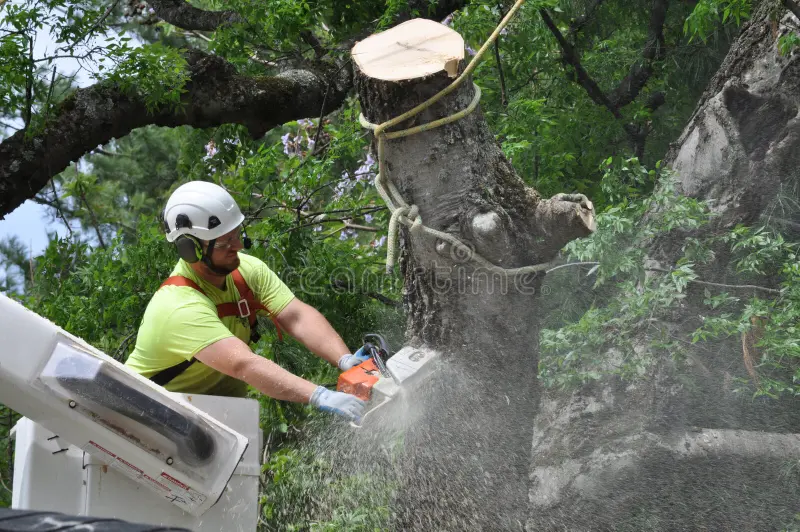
349, 361
343, 404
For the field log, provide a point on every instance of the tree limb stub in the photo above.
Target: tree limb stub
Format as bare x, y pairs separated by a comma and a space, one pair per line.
215, 94
563, 218
184, 15
426, 48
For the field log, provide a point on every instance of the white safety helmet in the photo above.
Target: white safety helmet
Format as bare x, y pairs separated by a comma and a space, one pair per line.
201, 209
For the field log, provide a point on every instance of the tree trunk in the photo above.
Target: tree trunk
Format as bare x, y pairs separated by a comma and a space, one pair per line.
674, 450
468, 450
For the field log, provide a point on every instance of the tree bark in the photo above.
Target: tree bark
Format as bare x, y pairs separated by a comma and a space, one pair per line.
629, 455
467, 452
215, 94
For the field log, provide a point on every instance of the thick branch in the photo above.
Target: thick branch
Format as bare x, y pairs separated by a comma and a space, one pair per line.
183, 15
743, 443
793, 6
215, 94
632, 84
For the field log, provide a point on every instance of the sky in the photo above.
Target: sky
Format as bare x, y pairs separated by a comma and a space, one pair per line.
30, 223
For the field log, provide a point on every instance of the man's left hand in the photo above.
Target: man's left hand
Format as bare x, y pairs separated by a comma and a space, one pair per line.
351, 360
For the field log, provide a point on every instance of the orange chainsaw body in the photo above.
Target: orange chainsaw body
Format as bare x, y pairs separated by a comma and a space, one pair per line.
359, 380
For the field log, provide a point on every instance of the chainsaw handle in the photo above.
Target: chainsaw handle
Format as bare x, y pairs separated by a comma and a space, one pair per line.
380, 340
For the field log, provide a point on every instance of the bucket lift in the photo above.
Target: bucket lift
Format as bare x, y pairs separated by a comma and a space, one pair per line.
101, 440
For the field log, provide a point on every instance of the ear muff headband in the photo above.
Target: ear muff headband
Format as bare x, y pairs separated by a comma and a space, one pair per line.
189, 248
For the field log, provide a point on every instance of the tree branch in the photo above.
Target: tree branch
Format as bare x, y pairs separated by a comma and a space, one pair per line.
359, 227
696, 281
95, 224
570, 56
215, 94
632, 84
29, 87
563, 218
577, 25
185, 16
57, 206
722, 285
654, 50
503, 95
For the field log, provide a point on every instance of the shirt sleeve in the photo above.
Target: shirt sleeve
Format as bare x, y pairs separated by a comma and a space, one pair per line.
190, 328
269, 289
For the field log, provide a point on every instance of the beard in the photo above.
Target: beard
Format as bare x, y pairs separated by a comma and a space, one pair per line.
223, 265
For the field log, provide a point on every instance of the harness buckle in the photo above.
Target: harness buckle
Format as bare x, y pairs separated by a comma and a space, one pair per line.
244, 308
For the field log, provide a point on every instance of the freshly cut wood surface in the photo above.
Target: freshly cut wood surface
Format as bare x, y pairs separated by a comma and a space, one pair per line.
414, 49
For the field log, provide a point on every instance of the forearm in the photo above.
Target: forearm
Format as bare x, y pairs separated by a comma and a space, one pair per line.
274, 381
233, 357
313, 331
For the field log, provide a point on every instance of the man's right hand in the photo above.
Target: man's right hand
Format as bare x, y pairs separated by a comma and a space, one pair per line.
343, 404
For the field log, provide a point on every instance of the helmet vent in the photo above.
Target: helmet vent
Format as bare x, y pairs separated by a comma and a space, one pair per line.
213, 222
182, 221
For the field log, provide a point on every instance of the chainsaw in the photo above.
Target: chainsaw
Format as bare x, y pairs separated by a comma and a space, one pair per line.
385, 374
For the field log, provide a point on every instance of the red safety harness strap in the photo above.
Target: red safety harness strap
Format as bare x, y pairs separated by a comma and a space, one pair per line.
246, 307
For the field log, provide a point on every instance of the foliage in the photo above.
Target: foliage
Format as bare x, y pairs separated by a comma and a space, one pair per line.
708, 14
155, 73
788, 42
604, 341
551, 130
761, 253
15, 260
625, 336
306, 489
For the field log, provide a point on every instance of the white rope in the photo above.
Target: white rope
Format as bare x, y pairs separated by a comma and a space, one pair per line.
408, 215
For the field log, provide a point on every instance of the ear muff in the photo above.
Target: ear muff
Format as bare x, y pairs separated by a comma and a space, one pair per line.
246, 241
189, 248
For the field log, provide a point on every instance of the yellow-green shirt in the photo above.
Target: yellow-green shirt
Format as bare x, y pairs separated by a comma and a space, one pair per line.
180, 321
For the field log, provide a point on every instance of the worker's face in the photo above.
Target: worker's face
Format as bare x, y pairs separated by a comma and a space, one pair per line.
225, 254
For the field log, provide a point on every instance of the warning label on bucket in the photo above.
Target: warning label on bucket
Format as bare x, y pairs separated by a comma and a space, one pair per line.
127, 469
190, 497
167, 486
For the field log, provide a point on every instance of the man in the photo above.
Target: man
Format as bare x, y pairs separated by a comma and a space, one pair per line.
195, 332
